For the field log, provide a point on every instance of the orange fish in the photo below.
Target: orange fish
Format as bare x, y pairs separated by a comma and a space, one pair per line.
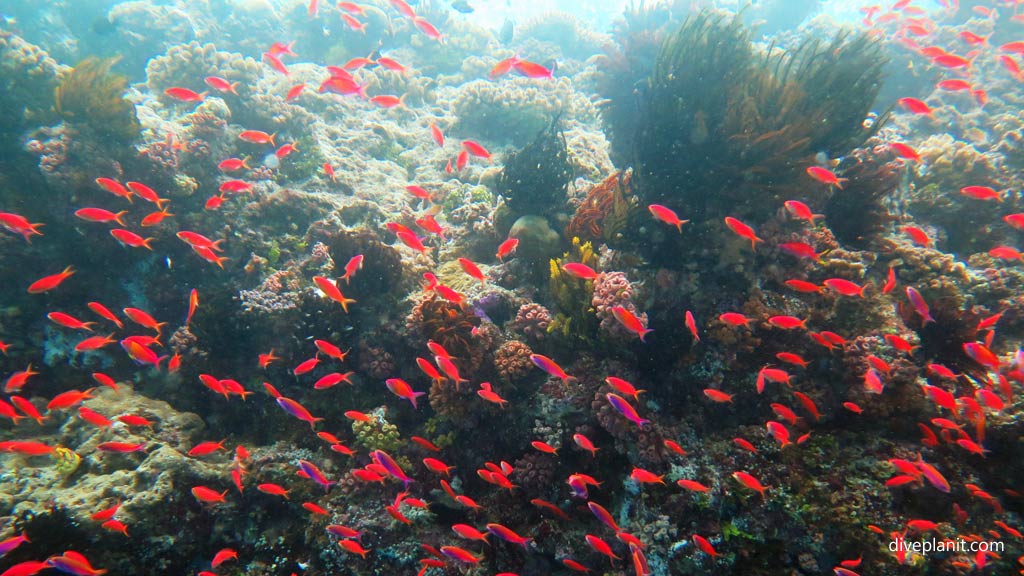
826, 176
257, 137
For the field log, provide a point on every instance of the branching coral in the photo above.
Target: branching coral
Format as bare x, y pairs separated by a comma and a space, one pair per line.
92, 96
723, 129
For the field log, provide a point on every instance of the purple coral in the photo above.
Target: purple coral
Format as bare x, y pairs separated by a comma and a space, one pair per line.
532, 320
613, 289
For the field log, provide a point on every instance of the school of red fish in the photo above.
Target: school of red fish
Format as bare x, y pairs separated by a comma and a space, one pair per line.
960, 421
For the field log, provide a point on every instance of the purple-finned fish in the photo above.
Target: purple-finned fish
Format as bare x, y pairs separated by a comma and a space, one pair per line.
919, 305
603, 515
72, 562
624, 407
315, 474
298, 410
388, 463
507, 535
12, 543
579, 488
459, 555
551, 367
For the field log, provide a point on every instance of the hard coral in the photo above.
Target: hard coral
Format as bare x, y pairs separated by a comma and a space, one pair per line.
613, 289
533, 320
512, 360
28, 76
513, 110
451, 326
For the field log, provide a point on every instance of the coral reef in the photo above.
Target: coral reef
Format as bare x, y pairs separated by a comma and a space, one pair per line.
512, 360
604, 213
741, 141
575, 317
92, 97
538, 174
512, 111
29, 77
533, 320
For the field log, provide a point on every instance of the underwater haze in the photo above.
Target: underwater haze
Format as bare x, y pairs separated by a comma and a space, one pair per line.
502, 287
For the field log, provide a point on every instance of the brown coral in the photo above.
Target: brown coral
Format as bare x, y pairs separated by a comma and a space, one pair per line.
512, 360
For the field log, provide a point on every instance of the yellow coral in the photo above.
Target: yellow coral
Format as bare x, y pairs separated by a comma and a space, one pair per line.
573, 295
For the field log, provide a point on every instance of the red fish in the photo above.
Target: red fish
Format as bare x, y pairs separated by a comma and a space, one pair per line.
19, 225
428, 29
507, 247
915, 106
100, 215
717, 395
50, 282
749, 481
904, 151
531, 69
331, 290
954, 85
734, 319
257, 137
476, 149
803, 286
743, 231
845, 287
438, 136
503, 67
131, 239
631, 322
185, 95
69, 321
981, 193
667, 215
801, 211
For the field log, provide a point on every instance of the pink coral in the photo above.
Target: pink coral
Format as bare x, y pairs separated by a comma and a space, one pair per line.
613, 289
532, 320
